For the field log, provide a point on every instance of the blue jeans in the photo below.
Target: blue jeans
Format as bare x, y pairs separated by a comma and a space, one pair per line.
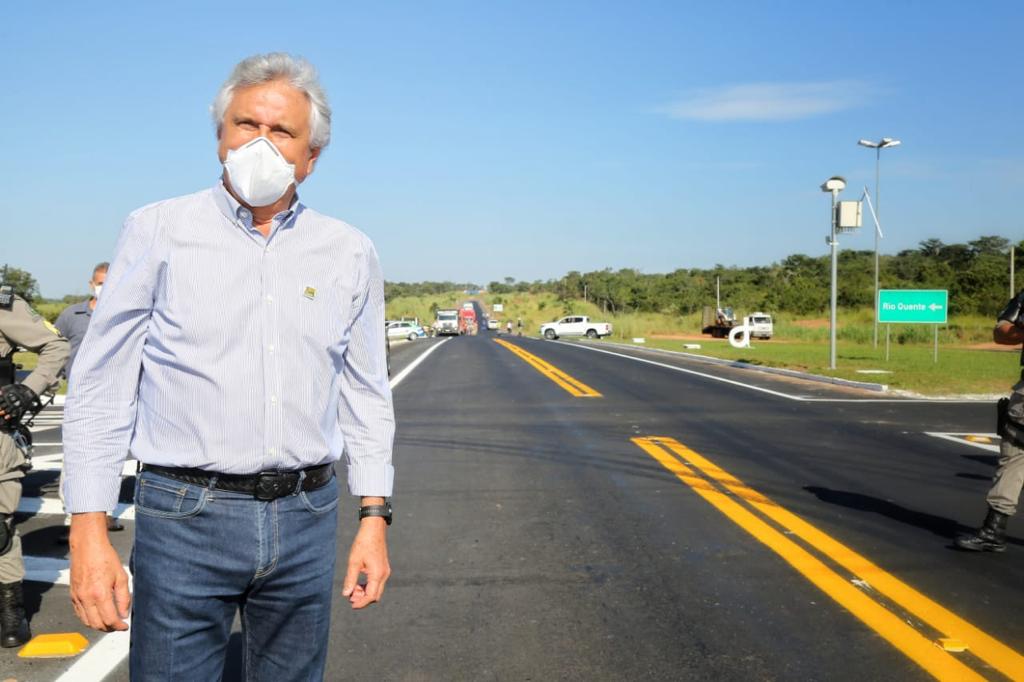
201, 555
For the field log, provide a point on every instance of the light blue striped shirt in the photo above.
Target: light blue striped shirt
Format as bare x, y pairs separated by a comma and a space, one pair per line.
215, 347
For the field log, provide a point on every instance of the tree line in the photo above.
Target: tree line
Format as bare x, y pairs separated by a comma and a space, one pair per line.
976, 275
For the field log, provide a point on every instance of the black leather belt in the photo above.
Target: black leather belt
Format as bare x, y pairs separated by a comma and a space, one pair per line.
266, 485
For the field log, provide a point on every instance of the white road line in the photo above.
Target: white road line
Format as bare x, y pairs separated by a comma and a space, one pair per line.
55, 462
46, 569
674, 368
103, 656
415, 363
960, 438
761, 389
53, 506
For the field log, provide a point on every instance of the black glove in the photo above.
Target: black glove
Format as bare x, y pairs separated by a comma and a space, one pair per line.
15, 400
1012, 313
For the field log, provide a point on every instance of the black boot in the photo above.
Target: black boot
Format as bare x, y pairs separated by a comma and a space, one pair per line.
991, 537
13, 625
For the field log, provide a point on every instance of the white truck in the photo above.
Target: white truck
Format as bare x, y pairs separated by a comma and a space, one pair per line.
760, 325
575, 325
447, 323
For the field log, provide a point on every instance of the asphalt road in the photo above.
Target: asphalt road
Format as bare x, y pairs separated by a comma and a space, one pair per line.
656, 531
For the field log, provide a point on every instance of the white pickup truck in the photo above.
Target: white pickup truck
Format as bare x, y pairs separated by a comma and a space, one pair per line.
575, 325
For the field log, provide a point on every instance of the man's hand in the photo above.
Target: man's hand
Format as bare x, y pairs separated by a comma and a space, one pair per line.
369, 555
99, 584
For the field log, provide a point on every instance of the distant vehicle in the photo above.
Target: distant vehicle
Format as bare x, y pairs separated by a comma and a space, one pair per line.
447, 323
467, 319
468, 305
761, 326
717, 321
405, 330
492, 324
575, 325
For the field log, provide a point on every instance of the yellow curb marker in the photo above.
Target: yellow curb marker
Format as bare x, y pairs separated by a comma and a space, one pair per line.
574, 386
932, 656
56, 645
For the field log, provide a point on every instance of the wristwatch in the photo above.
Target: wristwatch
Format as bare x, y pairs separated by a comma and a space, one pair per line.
381, 510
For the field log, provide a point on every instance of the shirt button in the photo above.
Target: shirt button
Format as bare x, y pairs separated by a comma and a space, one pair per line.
273, 400
272, 452
270, 299
270, 348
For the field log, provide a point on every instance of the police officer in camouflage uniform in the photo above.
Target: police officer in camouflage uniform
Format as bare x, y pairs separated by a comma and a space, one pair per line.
1005, 492
20, 327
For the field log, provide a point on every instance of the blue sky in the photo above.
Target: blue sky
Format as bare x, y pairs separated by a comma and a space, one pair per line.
474, 141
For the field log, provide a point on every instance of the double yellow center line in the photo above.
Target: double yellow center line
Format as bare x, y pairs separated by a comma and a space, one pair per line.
722, 490
574, 386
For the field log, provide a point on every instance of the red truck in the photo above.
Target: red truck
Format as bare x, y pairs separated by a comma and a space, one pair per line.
467, 321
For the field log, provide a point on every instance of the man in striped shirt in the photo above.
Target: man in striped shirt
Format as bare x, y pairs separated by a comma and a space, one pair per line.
237, 352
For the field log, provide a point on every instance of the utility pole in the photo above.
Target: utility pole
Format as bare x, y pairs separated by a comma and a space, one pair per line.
834, 186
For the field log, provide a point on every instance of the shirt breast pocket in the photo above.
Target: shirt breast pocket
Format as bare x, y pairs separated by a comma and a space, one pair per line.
322, 317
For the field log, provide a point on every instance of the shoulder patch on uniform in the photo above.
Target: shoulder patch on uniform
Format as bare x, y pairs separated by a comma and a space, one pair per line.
6, 298
49, 325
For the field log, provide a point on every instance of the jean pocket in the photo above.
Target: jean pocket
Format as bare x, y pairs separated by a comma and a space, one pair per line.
167, 498
323, 499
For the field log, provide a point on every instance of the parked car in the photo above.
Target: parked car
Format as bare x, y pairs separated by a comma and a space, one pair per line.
405, 330
575, 325
492, 324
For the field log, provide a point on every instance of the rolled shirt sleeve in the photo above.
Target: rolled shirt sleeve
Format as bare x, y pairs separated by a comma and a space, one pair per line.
99, 416
365, 412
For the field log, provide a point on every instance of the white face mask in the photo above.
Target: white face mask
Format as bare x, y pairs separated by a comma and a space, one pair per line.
258, 173
96, 290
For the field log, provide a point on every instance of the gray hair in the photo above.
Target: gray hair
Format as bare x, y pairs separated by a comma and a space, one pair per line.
263, 68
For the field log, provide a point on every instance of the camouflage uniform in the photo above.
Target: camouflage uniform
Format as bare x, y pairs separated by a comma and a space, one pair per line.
20, 328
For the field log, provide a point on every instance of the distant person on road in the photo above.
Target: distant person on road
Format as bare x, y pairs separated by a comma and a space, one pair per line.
519, 326
73, 323
508, 327
20, 327
1005, 492
74, 320
237, 353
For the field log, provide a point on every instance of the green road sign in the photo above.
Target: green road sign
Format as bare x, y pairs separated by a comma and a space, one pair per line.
913, 306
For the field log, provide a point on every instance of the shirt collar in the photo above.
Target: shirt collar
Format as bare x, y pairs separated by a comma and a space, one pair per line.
235, 212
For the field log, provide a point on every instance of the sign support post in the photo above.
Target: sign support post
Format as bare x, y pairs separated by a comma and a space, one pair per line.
913, 306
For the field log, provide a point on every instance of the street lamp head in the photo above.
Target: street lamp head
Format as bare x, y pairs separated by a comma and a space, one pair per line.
867, 143
888, 142
834, 184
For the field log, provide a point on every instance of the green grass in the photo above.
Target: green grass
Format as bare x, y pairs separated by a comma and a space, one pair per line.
959, 371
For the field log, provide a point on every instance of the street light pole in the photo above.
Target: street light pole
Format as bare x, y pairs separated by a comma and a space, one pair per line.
884, 143
833, 185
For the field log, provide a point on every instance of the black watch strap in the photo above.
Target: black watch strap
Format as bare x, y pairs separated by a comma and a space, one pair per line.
381, 510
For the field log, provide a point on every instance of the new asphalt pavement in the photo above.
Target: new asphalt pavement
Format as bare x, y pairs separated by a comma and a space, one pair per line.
585, 512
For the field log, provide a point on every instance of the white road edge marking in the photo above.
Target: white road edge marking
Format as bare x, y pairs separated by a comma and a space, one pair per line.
45, 569
415, 363
108, 651
53, 506
779, 394
101, 658
959, 438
